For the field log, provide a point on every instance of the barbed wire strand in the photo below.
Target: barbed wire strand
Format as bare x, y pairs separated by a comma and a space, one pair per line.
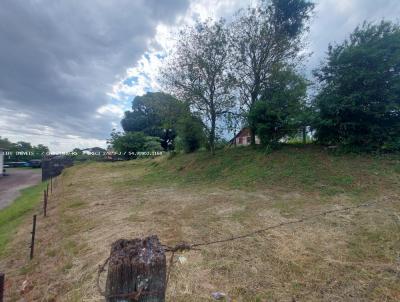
184, 246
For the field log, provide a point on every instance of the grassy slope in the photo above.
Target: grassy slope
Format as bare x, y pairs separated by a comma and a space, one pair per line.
196, 197
306, 168
13, 215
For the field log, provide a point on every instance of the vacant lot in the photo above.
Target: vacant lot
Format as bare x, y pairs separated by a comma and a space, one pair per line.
347, 256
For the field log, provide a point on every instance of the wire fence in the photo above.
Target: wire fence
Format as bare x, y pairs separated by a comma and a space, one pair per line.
179, 247
196, 246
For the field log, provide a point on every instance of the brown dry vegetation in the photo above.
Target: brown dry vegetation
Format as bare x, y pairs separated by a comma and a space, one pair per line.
347, 256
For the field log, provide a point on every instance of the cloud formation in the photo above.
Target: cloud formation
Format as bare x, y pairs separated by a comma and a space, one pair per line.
60, 58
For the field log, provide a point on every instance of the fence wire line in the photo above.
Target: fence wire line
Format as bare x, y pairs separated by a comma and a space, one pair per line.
185, 246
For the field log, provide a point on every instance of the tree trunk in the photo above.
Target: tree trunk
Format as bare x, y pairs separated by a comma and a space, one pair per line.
252, 136
212, 133
136, 271
252, 127
304, 135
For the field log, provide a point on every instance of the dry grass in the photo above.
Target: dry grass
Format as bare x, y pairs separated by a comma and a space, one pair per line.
351, 256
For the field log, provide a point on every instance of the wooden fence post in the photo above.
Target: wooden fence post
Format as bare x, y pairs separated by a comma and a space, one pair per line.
51, 185
44, 203
136, 271
33, 236
2, 282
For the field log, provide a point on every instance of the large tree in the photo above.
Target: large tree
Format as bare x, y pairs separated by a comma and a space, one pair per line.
155, 114
263, 37
198, 73
359, 100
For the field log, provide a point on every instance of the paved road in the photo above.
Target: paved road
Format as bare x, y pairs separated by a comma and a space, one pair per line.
17, 180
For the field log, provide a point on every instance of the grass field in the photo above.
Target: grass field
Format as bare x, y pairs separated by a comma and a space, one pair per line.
346, 256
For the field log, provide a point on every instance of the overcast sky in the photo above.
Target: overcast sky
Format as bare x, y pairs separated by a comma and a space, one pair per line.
69, 69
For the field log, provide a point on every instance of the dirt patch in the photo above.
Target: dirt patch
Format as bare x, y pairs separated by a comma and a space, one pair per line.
17, 179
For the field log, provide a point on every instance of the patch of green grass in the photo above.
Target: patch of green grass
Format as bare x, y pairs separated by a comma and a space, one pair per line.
51, 253
28, 267
67, 267
12, 216
35, 170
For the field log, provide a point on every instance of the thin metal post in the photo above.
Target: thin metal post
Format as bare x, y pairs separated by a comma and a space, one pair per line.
44, 203
33, 236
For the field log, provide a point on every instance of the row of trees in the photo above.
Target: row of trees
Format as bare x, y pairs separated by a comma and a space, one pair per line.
244, 73
224, 70
22, 151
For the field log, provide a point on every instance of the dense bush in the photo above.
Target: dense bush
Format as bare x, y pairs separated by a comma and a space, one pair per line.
358, 105
190, 134
130, 143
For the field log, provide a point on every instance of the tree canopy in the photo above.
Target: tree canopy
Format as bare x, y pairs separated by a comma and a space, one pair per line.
155, 114
263, 37
359, 100
280, 111
198, 73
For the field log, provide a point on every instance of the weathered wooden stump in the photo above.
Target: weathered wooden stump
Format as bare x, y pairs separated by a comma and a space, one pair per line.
136, 271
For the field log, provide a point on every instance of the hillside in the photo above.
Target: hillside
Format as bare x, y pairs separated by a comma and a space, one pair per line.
345, 256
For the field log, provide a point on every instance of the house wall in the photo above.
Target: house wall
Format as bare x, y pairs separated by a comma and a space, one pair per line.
245, 140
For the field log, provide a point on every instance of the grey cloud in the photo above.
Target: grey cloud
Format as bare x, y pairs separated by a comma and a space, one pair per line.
59, 58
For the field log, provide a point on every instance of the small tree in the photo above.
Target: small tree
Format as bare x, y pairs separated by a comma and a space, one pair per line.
358, 103
279, 114
190, 133
198, 72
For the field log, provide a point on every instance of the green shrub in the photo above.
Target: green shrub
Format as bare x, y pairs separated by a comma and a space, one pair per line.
190, 134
